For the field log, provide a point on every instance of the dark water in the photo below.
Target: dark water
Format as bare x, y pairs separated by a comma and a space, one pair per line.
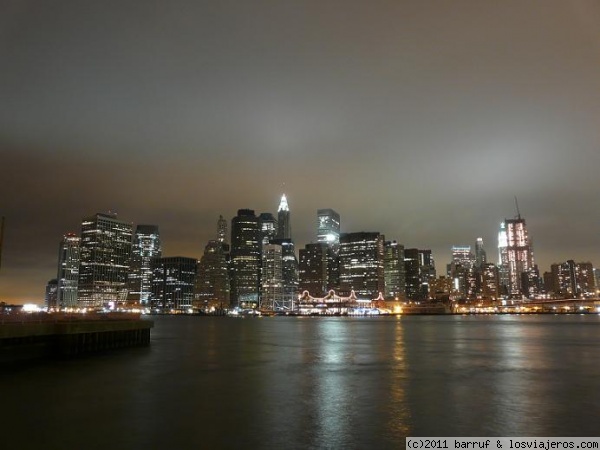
299, 383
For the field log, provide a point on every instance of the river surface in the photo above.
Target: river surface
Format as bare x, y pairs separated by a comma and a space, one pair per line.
322, 383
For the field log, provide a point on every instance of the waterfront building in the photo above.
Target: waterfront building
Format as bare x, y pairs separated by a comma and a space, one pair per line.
272, 286
146, 246
105, 253
245, 259
362, 264
212, 283
516, 255
173, 283
394, 270
572, 280
328, 227
318, 269
420, 270
68, 270
284, 225
289, 269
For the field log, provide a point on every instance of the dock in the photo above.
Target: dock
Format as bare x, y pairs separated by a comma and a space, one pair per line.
30, 336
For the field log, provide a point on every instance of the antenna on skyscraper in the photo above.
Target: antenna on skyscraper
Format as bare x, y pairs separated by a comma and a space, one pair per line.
517, 205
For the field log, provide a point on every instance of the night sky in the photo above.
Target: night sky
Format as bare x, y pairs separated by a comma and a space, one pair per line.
418, 119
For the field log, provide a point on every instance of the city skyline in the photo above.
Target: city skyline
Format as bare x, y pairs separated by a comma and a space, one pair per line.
418, 120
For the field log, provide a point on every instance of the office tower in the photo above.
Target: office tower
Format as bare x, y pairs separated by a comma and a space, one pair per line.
516, 255
272, 295
318, 269
480, 255
105, 261
213, 284
146, 245
572, 280
420, 271
289, 270
362, 264
284, 226
328, 226
394, 270
268, 227
245, 259
173, 283
68, 270
51, 297
490, 280
222, 230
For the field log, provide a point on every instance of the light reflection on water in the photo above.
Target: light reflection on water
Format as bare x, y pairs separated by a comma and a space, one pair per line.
289, 382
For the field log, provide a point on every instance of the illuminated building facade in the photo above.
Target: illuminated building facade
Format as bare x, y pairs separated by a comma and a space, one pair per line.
284, 225
394, 276
572, 280
222, 230
480, 254
420, 271
105, 261
146, 245
212, 283
268, 227
328, 226
318, 269
68, 270
272, 292
289, 270
362, 264
245, 259
516, 255
173, 283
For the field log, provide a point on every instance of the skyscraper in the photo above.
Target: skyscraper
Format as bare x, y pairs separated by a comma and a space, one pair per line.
222, 230
272, 296
268, 227
394, 270
480, 255
146, 245
105, 261
68, 270
318, 269
362, 264
245, 259
213, 284
516, 255
173, 283
420, 271
328, 226
284, 226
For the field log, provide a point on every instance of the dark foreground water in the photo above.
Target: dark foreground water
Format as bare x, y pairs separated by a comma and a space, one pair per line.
300, 383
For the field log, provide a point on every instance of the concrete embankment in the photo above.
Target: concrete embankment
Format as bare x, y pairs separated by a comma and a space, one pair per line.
67, 337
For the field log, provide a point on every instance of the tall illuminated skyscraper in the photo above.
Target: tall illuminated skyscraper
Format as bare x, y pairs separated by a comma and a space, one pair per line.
272, 296
68, 270
515, 254
480, 255
268, 227
245, 259
328, 226
284, 226
105, 261
362, 264
146, 245
222, 230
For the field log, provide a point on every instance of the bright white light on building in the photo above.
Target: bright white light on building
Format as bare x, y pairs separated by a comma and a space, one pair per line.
31, 307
